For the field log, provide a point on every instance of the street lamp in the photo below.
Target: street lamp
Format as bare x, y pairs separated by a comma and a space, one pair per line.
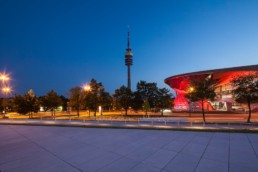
87, 88
4, 88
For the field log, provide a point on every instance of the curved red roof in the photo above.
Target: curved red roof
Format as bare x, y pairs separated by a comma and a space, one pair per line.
223, 75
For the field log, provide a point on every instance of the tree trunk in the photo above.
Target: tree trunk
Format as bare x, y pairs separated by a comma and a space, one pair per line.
249, 108
78, 112
161, 112
125, 111
189, 108
95, 111
203, 115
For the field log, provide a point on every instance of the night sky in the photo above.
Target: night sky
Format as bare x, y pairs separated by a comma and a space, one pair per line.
51, 44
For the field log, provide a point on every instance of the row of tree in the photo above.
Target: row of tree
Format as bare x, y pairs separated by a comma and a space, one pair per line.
147, 97
244, 90
29, 103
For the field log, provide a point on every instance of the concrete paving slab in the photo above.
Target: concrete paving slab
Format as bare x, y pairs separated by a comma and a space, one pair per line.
217, 153
141, 153
160, 158
194, 149
183, 163
211, 166
144, 168
236, 167
123, 164
99, 162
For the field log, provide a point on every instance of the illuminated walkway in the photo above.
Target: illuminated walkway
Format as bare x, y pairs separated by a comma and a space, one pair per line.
46, 148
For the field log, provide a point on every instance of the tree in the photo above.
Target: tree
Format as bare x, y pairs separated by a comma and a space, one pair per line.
164, 99
105, 100
146, 106
148, 91
6, 104
75, 98
123, 98
137, 101
51, 101
203, 90
26, 104
96, 97
245, 90
64, 102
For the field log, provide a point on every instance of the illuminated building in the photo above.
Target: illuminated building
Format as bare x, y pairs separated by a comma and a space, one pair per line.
224, 100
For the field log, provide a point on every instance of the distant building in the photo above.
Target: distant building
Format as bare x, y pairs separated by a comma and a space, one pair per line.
224, 100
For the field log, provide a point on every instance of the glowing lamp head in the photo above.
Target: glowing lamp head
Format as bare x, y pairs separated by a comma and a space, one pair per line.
86, 88
6, 89
191, 89
4, 77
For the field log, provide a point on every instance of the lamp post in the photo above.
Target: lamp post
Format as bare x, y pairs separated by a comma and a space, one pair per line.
87, 88
4, 88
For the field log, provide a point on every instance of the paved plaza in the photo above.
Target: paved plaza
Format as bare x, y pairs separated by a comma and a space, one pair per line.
49, 148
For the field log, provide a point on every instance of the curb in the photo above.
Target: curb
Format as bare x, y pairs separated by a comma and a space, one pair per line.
127, 126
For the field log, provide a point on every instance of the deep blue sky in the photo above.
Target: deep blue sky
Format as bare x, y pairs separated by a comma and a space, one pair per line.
51, 44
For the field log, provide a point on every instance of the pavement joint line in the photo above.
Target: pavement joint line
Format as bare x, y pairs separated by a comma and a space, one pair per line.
53, 154
177, 153
250, 142
204, 152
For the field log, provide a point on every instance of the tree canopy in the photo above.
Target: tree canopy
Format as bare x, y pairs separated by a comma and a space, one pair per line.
152, 97
51, 101
164, 99
26, 104
123, 98
202, 90
96, 97
245, 90
148, 91
76, 98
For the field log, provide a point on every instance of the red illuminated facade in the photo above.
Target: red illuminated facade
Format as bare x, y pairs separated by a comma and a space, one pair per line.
223, 101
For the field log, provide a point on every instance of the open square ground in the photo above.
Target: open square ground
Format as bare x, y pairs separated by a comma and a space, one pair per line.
42, 148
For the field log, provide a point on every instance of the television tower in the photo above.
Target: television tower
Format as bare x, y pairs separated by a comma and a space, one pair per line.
128, 60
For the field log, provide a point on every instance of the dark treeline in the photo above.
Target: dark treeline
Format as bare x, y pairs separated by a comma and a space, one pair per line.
147, 97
